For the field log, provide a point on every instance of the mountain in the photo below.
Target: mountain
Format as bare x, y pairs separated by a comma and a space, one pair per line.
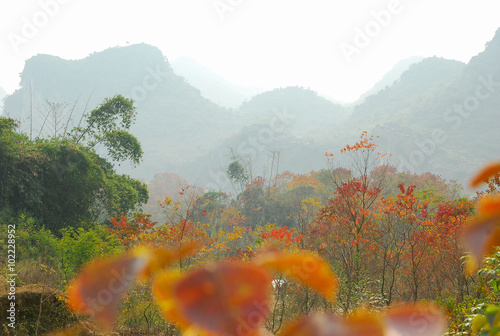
441, 116
396, 102
211, 85
294, 123
390, 77
174, 122
309, 111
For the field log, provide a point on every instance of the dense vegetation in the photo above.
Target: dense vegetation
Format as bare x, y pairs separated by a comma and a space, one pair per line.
389, 236
61, 181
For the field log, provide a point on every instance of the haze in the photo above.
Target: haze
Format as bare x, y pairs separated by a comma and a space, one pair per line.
257, 43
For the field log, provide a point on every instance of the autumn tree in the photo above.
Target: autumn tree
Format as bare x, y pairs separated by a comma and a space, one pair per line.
345, 224
406, 238
449, 220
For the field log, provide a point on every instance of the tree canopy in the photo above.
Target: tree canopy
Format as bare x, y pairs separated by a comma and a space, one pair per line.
62, 181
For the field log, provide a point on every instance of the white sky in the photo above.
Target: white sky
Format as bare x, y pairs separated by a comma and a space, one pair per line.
266, 43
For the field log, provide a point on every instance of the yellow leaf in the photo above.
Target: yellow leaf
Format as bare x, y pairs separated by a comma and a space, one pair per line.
478, 323
163, 292
488, 205
101, 285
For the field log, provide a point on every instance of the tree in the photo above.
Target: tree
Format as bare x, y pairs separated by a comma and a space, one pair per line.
64, 182
108, 125
238, 175
449, 220
345, 224
19, 167
406, 245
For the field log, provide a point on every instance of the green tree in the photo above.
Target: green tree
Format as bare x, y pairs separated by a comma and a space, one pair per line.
238, 175
108, 125
19, 168
63, 181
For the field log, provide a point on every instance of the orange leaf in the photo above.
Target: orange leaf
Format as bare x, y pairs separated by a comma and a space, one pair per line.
224, 298
485, 174
488, 205
163, 292
413, 320
305, 267
162, 257
99, 289
480, 236
360, 324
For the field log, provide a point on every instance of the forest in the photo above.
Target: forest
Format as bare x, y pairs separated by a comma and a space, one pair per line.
388, 250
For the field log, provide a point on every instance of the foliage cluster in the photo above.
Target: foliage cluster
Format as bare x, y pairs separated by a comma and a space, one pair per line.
62, 181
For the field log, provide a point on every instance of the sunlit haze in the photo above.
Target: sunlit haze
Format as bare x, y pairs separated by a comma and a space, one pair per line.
261, 43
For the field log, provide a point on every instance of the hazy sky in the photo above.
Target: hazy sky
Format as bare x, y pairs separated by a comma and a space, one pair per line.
337, 48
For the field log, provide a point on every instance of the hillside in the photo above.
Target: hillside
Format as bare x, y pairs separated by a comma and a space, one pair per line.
308, 110
212, 86
396, 102
441, 115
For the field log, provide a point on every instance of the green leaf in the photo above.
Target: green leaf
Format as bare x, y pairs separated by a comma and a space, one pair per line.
478, 323
494, 283
491, 314
494, 331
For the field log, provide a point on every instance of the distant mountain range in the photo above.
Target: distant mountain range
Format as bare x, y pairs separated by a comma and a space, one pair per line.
395, 103
432, 115
211, 85
441, 116
390, 77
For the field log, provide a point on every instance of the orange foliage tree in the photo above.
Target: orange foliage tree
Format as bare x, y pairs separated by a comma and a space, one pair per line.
405, 243
345, 224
